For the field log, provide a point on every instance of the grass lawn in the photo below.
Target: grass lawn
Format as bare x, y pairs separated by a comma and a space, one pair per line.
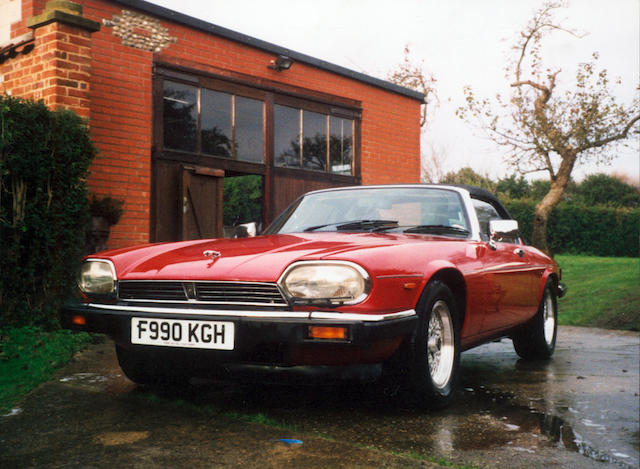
603, 292
30, 356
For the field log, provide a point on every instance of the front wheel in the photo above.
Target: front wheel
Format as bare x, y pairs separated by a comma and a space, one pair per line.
142, 368
537, 339
436, 350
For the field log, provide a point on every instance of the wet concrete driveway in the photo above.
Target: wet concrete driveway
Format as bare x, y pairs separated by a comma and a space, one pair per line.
578, 410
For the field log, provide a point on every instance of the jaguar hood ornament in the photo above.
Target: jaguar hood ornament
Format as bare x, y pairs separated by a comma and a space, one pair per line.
212, 254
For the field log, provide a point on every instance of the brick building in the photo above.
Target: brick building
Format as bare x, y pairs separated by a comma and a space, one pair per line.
176, 105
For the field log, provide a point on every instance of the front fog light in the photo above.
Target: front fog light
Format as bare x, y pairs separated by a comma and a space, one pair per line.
97, 277
310, 282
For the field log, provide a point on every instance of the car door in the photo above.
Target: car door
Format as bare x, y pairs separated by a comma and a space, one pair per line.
509, 276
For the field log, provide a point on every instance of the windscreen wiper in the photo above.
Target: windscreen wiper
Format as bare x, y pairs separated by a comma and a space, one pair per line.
436, 229
355, 225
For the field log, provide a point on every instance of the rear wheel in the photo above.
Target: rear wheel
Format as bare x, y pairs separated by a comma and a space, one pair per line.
436, 349
537, 340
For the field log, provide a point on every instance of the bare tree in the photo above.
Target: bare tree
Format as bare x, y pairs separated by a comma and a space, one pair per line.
546, 129
413, 76
433, 163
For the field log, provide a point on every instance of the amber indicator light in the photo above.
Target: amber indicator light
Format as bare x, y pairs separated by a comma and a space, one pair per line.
79, 320
328, 332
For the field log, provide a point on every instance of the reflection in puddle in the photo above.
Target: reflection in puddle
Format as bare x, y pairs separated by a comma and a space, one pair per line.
112, 382
558, 430
84, 378
481, 420
12, 412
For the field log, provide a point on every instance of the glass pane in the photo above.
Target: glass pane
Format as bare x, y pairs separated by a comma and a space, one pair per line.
286, 145
179, 116
215, 123
326, 211
314, 144
249, 135
485, 212
341, 145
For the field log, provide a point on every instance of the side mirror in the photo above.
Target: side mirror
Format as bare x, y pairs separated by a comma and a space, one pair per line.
500, 229
246, 230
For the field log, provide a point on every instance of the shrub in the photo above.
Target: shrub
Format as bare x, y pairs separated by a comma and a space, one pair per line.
575, 229
44, 162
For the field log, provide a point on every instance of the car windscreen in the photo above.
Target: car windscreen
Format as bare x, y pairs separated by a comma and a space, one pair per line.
416, 210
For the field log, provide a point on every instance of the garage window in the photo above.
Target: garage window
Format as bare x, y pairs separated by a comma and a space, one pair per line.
180, 116
312, 140
209, 122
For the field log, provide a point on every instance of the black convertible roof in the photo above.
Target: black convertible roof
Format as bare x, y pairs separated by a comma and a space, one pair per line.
484, 195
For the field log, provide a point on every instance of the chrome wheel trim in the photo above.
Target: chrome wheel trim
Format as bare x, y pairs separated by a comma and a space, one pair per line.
440, 345
549, 319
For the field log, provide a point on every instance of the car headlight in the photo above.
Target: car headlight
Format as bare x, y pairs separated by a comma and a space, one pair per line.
329, 282
97, 277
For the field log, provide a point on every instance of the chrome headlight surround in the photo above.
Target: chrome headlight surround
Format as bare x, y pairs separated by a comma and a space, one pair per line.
325, 283
97, 278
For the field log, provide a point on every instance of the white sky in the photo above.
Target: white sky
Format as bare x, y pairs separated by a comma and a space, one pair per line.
461, 42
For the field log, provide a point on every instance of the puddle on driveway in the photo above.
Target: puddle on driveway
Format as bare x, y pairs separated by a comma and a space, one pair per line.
553, 414
480, 421
555, 428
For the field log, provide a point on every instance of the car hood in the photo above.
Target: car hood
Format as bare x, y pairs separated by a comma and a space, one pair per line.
262, 258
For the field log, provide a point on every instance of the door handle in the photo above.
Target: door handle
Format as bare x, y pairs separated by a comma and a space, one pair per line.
519, 252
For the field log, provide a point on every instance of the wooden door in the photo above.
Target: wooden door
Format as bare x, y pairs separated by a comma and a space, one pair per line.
201, 208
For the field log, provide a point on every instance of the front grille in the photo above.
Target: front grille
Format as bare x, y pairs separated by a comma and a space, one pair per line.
239, 293
220, 293
154, 291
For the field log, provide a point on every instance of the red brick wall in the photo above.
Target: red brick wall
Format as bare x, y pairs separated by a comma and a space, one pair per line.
121, 111
57, 70
121, 126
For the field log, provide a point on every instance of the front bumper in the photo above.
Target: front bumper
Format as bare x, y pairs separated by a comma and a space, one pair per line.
261, 337
562, 289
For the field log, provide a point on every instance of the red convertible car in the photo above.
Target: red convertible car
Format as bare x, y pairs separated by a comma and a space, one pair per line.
407, 276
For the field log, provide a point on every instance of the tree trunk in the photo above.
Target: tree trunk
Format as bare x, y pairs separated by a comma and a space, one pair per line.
544, 208
540, 220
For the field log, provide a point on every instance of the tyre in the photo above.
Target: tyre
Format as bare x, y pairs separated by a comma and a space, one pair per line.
141, 368
436, 348
537, 339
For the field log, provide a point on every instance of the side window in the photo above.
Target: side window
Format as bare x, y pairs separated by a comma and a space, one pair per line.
485, 212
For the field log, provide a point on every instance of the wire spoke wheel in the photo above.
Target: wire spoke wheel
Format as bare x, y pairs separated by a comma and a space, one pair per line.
435, 353
440, 344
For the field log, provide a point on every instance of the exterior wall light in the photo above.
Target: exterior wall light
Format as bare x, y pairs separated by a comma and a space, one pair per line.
282, 62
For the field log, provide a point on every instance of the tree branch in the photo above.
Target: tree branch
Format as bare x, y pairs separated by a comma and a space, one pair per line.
613, 138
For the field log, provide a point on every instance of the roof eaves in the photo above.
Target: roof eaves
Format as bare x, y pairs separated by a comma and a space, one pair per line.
211, 28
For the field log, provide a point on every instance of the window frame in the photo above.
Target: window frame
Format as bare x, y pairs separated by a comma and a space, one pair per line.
270, 93
233, 95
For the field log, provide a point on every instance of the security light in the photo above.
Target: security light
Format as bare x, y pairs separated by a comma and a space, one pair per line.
282, 62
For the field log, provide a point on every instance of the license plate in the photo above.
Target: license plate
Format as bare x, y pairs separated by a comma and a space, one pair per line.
183, 333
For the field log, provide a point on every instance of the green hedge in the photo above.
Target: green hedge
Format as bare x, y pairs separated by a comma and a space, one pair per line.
44, 163
573, 229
